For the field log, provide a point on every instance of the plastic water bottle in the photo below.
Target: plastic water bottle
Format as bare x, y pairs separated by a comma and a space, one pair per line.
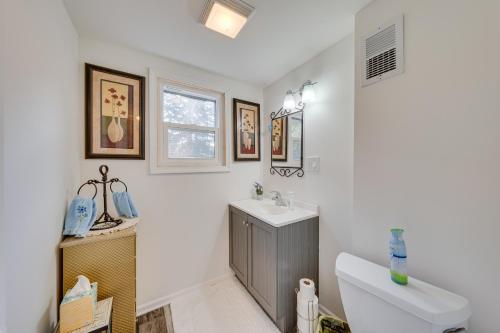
397, 252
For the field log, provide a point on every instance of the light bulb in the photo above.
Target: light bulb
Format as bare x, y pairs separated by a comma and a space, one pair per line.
308, 93
289, 102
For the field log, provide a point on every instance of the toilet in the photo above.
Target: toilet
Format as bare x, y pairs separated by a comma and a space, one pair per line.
375, 304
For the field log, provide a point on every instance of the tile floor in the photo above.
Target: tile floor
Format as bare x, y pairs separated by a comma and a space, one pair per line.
223, 307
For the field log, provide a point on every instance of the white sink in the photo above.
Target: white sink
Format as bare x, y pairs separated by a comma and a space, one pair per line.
277, 216
271, 209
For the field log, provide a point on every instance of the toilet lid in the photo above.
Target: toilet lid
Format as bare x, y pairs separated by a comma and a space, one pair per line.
432, 304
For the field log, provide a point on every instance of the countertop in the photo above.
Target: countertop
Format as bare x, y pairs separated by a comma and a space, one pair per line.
267, 211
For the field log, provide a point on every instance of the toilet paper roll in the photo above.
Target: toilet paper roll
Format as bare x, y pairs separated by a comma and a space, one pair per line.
307, 289
305, 326
307, 309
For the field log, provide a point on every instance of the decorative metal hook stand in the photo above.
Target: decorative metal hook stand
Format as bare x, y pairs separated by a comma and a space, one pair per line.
105, 220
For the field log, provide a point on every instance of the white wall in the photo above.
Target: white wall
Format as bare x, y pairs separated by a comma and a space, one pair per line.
3, 258
183, 234
427, 152
41, 153
328, 133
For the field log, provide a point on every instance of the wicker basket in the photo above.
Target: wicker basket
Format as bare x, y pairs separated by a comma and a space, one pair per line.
109, 260
329, 324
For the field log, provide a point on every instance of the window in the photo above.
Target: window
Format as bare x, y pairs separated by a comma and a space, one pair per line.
190, 124
190, 129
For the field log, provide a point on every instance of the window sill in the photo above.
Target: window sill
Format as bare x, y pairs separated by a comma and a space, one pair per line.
180, 170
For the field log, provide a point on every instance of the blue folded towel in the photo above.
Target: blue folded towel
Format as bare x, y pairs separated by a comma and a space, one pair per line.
124, 205
80, 216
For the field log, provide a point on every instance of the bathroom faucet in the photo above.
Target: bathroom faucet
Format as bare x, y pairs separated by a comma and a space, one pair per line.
280, 201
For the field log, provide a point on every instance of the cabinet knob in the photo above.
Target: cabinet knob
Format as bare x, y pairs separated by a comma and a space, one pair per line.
243, 222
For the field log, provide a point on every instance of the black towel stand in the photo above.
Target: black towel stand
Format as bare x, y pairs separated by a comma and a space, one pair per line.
105, 221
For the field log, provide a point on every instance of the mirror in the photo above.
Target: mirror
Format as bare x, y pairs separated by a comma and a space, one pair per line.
287, 140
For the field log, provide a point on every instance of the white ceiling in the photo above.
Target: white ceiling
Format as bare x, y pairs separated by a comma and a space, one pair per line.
281, 35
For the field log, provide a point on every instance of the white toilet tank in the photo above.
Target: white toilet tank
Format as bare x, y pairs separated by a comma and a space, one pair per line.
375, 304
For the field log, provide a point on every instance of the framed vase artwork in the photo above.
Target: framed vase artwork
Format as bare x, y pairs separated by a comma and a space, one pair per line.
114, 122
280, 139
246, 118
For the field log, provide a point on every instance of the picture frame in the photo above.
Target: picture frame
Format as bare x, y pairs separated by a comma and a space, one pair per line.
114, 114
279, 148
246, 130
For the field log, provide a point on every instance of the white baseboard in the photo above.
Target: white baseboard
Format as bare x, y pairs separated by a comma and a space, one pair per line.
164, 300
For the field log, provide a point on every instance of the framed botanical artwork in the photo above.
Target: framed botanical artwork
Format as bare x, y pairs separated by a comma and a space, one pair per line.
280, 139
246, 118
114, 122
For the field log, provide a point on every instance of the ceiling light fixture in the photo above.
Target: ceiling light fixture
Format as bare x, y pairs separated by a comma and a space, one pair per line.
226, 16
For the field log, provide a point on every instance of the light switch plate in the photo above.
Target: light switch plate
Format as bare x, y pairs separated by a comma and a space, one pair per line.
312, 164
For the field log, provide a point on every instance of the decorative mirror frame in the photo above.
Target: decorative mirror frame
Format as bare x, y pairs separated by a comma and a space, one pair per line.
288, 171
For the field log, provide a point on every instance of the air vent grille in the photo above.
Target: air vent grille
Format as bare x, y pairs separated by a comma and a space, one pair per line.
381, 41
380, 64
383, 52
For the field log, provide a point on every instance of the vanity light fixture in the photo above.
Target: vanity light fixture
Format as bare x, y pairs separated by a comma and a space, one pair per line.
289, 102
307, 95
226, 16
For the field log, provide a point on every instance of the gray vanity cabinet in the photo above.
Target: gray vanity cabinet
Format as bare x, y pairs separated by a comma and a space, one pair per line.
262, 256
270, 261
238, 248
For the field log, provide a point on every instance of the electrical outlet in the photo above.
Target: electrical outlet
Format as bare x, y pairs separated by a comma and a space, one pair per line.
312, 164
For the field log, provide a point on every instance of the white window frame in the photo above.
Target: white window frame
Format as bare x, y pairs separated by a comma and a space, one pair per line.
159, 161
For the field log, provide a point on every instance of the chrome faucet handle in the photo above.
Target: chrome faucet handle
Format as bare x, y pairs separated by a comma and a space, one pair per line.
280, 201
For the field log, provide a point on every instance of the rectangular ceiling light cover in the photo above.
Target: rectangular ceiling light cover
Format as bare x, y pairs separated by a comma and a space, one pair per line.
226, 16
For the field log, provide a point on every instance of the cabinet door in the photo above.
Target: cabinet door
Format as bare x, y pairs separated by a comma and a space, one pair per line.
262, 270
238, 244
